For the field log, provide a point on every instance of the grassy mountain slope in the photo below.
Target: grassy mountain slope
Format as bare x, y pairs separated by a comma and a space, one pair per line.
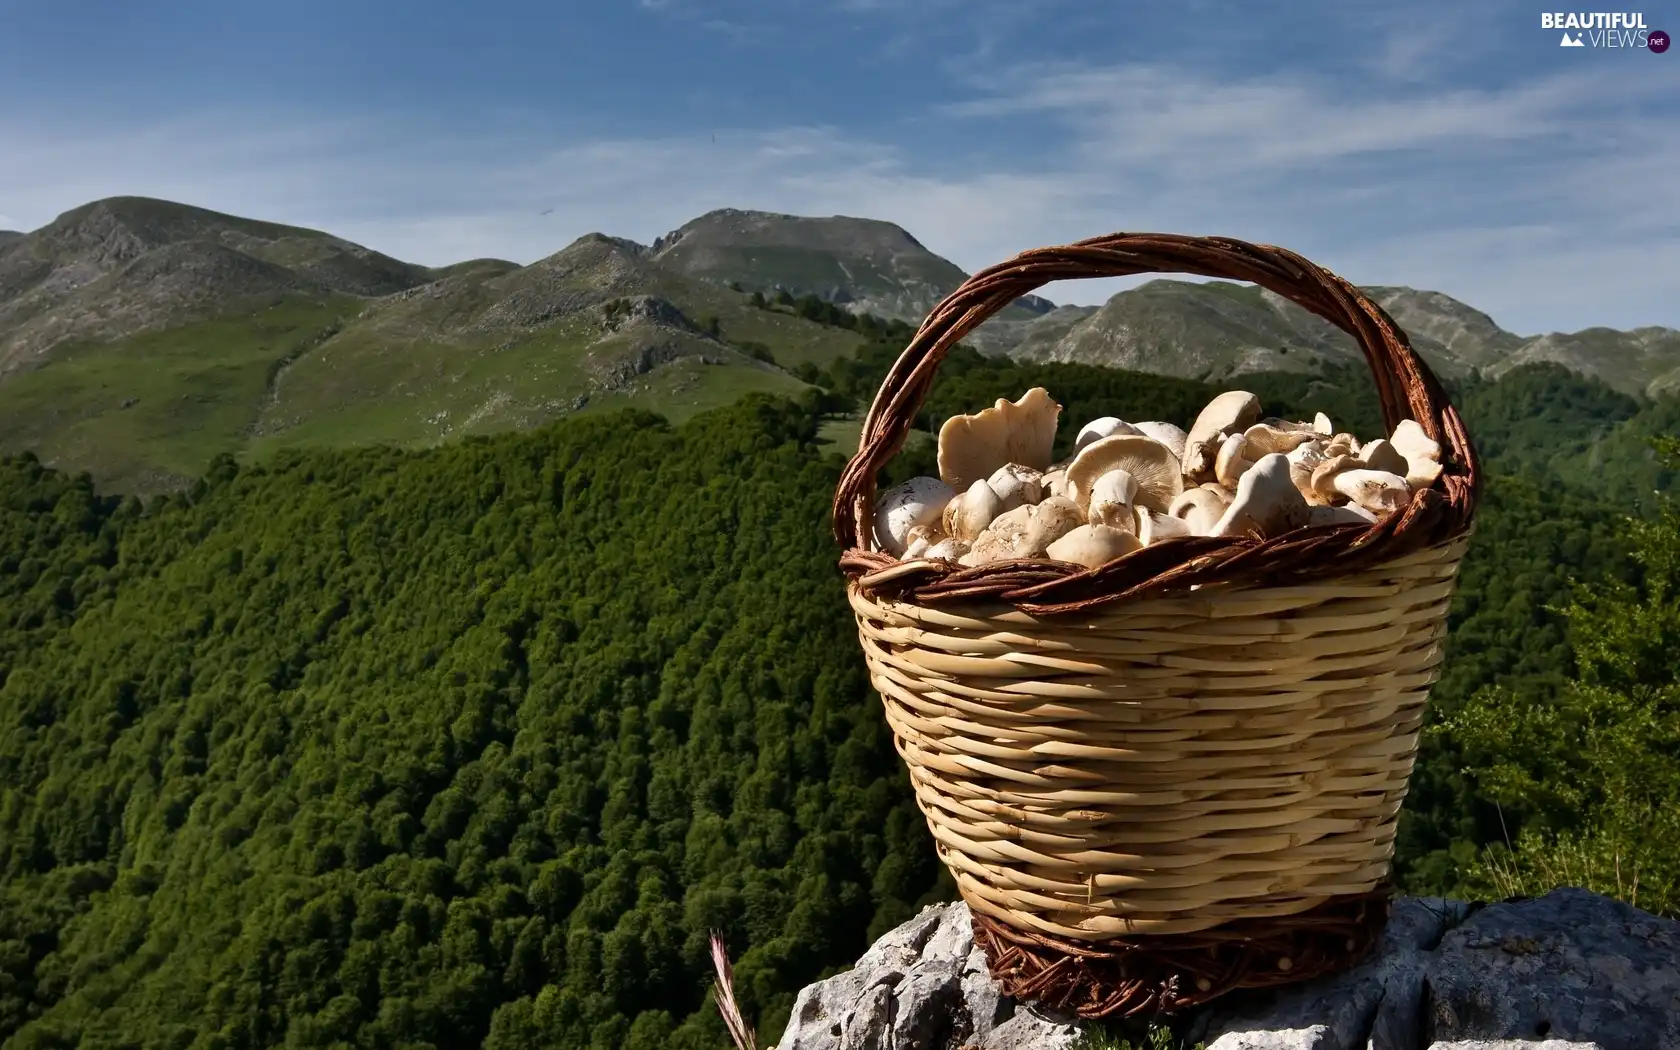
125, 265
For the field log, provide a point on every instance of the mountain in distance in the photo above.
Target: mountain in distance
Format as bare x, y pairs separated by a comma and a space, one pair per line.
8, 236
139, 338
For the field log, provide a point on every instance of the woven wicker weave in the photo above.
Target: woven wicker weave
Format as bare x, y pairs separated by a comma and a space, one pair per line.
1179, 773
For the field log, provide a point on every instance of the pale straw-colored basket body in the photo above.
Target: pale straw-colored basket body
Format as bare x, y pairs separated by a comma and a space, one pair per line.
1165, 765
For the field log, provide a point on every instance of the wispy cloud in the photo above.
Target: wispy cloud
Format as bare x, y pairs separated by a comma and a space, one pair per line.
1534, 201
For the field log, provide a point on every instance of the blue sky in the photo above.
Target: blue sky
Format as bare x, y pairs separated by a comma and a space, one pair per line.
1423, 144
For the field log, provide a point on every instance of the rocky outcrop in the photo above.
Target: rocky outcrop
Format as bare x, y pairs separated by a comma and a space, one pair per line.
1570, 970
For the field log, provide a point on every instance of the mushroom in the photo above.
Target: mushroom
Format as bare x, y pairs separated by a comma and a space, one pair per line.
1377, 491
1323, 487
1111, 500
973, 447
1347, 514
1055, 483
1026, 531
1153, 526
968, 514
1421, 452
1321, 425
1097, 429
947, 549
1342, 445
1380, 455
1200, 509
919, 501
1016, 484
1266, 504
1232, 460
1302, 462
1165, 433
1266, 438
1230, 412
1150, 463
1093, 545
918, 540
1051, 520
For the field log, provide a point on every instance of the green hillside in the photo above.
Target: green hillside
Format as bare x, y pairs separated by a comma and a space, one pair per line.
475, 744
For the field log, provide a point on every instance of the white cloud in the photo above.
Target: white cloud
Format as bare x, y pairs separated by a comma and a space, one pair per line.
1512, 200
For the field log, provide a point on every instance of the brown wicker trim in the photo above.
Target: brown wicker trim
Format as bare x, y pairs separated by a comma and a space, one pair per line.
1405, 385
1163, 975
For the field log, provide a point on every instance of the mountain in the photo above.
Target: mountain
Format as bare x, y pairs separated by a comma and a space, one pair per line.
139, 338
8, 236
865, 264
129, 264
1217, 330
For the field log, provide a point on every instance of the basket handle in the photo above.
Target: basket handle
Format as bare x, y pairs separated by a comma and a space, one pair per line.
1406, 386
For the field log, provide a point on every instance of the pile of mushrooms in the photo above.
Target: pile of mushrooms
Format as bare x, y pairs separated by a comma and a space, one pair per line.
1127, 485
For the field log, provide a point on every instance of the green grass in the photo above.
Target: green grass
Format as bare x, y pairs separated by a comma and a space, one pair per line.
142, 411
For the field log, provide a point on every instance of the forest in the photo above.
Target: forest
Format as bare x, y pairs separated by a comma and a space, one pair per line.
475, 745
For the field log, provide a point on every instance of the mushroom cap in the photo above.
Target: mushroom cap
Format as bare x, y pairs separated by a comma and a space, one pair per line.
1149, 462
1232, 460
1055, 483
1321, 424
1265, 438
1380, 455
1422, 453
1165, 433
1050, 521
1111, 500
1093, 545
1266, 504
1303, 460
1232, 411
1097, 429
947, 549
973, 447
968, 513
1152, 526
1016, 484
1199, 509
1347, 514
1377, 491
1324, 475
919, 501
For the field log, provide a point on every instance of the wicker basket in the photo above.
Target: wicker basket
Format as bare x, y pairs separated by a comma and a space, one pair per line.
1180, 773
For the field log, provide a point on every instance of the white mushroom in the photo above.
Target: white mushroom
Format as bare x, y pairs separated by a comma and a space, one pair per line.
1302, 462
1200, 509
1055, 483
968, 514
1111, 500
1232, 461
1229, 413
1165, 433
919, 501
973, 447
1380, 455
1323, 487
1422, 453
947, 549
1266, 504
1347, 514
1265, 438
1321, 424
1026, 531
1093, 545
1153, 526
1016, 484
1376, 490
918, 540
1149, 462
1341, 445
1097, 429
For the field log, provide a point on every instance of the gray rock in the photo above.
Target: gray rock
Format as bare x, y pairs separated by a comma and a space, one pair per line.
1568, 971
1347, 1011
924, 986
1571, 965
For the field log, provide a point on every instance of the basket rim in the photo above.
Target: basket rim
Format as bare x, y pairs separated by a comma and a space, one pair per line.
1407, 388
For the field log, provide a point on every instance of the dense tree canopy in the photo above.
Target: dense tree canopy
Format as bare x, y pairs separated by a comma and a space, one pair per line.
475, 745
